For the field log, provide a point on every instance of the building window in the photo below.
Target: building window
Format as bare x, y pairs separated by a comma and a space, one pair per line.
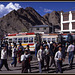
65, 17
44, 28
37, 28
73, 16
66, 26
73, 25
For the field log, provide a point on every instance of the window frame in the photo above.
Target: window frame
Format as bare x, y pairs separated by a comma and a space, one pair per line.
24, 40
11, 39
16, 40
29, 39
21, 40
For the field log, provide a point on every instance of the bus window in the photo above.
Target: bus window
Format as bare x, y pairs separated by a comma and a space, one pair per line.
44, 39
15, 40
53, 39
30, 39
25, 39
49, 39
10, 40
19, 40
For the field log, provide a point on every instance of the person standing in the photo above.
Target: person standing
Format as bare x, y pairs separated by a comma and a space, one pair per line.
70, 53
19, 53
48, 43
53, 51
14, 56
20, 47
25, 61
47, 57
10, 50
40, 58
28, 48
4, 58
44, 44
29, 68
59, 59
37, 47
67, 44
6, 44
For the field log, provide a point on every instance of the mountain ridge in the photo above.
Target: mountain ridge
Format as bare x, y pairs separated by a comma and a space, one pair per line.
22, 19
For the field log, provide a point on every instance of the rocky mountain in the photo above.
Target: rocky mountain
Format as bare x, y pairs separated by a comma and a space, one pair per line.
53, 17
22, 19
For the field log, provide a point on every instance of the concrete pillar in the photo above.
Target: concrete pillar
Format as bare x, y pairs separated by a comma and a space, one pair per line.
70, 20
61, 21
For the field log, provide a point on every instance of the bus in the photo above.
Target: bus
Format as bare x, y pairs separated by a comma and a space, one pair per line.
49, 37
29, 39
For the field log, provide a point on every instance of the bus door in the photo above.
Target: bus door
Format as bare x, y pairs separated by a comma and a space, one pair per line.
31, 43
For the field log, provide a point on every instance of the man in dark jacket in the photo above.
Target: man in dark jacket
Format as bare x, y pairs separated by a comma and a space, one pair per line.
53, 51
25, 61
37, 47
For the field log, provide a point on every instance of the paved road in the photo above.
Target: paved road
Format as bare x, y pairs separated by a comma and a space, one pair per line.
34, 67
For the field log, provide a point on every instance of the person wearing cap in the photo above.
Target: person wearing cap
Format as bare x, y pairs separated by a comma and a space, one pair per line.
4, 58
25, 61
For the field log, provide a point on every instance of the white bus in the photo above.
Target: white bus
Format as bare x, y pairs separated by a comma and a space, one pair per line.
29, 39
49, 37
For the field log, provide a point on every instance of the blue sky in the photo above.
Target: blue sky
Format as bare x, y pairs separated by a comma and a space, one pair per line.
41, 7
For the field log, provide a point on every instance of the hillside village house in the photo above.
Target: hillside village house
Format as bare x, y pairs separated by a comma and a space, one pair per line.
45, 28
68, 22
41, 28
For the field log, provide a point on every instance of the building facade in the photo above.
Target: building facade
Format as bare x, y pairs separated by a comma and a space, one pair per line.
41, 28
68, 22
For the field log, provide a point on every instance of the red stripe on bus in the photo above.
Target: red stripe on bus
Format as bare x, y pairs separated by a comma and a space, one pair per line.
30, 33
11, 34
31, 44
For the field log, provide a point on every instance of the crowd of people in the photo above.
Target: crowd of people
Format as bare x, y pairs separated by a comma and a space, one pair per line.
57, 52
19, 55
47, 54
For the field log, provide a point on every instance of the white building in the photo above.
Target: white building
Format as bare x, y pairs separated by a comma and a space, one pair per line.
68, 22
